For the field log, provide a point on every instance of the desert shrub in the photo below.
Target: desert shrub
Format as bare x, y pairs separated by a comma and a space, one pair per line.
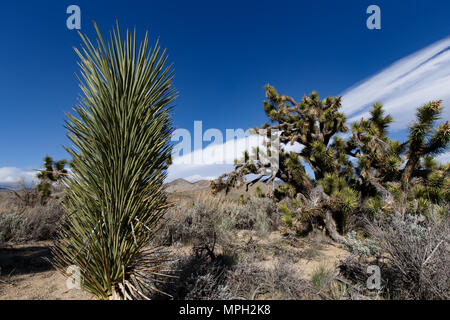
198, 227
45, 220
267, 216
234, 271
417, 249
13, 227
190, 223
18, 201
39, 222
199, 222
258, 214
198, 277
286, 214
413, 257
366, 247
249, 280
322, 276
259, 193
244, 219
353, 269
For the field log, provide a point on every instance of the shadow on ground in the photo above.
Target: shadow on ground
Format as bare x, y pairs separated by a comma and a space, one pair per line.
24, 260
197, 277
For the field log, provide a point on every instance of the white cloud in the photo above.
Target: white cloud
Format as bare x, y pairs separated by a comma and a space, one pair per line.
197, 172
401, 87
443, 158
220, 153
404, 86
197, 177
213, 160
10, 177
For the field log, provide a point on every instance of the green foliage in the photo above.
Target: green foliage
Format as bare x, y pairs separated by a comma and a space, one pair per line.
44, 189
120, 134
286, 214
344, 199
242, 200
421, 140
321, 276
259, 193
373, 207
436, 186
53, 172
424, 140
379, 158
284, 190
332, 183
368, 172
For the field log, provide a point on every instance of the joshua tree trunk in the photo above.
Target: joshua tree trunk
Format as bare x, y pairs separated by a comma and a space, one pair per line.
320, 200
330, 225
407, 173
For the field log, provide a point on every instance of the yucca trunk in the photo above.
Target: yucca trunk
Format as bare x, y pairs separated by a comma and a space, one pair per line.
120, 134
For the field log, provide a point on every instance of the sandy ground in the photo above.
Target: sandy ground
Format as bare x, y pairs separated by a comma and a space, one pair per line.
47, 285
312, 252
26, 273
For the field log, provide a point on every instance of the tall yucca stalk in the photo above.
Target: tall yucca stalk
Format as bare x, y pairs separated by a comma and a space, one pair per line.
120, 134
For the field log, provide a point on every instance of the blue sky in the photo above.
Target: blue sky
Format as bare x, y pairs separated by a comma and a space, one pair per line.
223, 52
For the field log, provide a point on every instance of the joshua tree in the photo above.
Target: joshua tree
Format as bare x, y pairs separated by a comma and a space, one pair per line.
53, 172
121, 145
380, 159
314, 124
433, 188
338, 186
424, 140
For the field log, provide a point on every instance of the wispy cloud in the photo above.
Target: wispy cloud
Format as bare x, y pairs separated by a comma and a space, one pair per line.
404, 86
443, 158
401, 87
11, 177
208, 163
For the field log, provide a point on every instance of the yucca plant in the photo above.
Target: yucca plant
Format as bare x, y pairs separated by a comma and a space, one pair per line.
120, 136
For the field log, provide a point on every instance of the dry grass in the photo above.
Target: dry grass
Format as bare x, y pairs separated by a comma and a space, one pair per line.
224, 249
237, 252
413, 256
23, 218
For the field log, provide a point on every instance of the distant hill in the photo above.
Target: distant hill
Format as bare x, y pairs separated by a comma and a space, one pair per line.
181, 185
181, 188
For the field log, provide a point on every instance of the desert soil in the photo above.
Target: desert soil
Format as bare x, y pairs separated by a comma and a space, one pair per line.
26, 273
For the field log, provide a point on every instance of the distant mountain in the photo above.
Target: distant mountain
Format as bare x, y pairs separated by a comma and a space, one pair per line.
181, 185
183, 189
